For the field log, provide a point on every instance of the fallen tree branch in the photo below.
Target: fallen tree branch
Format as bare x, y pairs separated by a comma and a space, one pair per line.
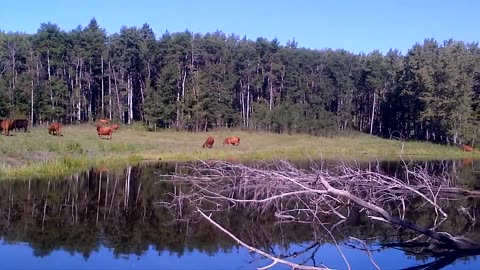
368, 252
253, 249
455, 242
308, 196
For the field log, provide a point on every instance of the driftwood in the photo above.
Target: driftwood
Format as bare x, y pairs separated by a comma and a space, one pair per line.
305, 195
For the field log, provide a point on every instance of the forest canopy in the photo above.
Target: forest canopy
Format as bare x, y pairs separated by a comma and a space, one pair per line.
196, 82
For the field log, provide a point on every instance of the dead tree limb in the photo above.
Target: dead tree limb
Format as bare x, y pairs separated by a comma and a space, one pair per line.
295, 195
275, 260
457, 243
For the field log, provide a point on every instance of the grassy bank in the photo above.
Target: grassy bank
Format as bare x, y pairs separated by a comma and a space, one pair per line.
38, 154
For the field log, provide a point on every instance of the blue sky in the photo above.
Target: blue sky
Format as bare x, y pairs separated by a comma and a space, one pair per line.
354, 25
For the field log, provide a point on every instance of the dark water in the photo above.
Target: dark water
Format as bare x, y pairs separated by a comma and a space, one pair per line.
108, 220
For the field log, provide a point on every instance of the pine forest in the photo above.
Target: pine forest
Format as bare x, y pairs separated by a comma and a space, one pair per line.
207, 81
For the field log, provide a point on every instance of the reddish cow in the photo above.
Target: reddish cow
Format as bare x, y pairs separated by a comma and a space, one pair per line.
6, 126
104, 121
467, 148
55, 128
232, 141
208, 143
104, 131
115, 127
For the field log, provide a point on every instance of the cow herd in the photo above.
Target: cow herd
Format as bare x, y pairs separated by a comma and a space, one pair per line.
55, 128
103, 130
8, 125
228, 141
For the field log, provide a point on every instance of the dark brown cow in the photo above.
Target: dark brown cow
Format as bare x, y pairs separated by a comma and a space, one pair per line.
55, 128
232, 141
104, 131
467, 148
208, 143
104, 121
6, 126
115, 127
20, 124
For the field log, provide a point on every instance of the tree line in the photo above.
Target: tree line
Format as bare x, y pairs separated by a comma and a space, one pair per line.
197, 82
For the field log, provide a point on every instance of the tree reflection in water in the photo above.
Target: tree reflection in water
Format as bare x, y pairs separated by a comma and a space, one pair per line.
116, 209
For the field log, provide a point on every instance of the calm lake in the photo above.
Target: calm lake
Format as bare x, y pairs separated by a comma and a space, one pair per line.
102, 219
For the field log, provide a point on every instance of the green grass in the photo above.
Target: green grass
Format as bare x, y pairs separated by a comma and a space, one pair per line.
38, 154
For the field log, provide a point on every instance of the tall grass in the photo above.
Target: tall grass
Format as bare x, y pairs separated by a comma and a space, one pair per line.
38, 154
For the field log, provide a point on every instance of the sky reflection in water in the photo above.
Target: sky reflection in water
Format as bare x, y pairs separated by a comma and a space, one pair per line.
20, 256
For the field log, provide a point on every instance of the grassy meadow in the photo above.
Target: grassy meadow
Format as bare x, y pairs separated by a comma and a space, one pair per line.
38, 154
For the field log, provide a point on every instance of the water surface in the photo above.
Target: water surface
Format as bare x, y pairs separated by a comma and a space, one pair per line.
108, 220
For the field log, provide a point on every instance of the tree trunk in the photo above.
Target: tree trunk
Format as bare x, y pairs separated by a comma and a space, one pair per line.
32, 91
142, 92
109, 91
270, 103
130, 98
248, 102
14, 76
103, 89
31, 102
89, 97
242, 103
79, 102
177, 116
373, 114
116, 91
50, 79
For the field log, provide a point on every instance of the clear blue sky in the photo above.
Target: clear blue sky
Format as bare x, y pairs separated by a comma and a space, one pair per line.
354, 25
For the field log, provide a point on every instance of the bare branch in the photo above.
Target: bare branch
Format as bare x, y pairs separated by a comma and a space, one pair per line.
264, 254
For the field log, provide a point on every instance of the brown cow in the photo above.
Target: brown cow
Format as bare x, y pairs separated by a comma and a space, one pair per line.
55, 128
6, 126
467, 148
104, 131
209, 142
232, 141
19, 124
104, 121
115, 127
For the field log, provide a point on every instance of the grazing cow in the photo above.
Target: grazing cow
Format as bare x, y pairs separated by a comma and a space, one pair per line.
20, 124
55, 128
115, 127
208, 143
232, 141
104, 131
7, 126
467, 148
103, 121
